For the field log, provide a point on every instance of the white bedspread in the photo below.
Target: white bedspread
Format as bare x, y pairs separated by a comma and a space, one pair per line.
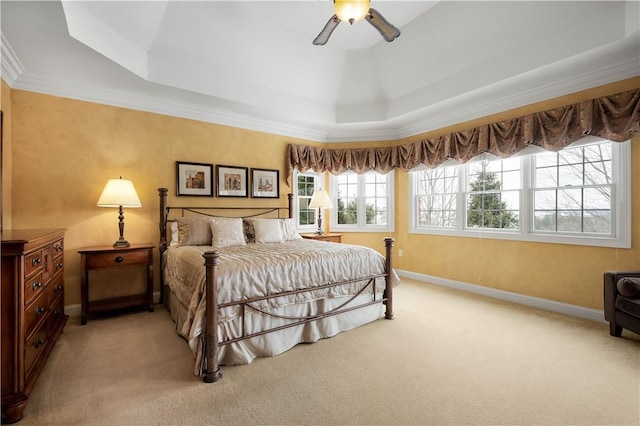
258, 269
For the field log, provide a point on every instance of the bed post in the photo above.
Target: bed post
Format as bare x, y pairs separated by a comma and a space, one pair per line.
162, 192
388, 292
290, 201
212, 372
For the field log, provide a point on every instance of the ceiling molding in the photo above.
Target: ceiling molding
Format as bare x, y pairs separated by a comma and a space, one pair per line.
11, 67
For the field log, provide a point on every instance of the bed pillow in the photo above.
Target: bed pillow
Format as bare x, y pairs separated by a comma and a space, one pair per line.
289, 231
249, 232
173, 226
267, 230
227, 232
194, 231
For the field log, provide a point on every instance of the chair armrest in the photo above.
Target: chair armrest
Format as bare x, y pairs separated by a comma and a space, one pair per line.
611, 290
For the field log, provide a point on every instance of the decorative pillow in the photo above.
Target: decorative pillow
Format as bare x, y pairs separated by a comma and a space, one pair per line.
249, 232
629, 287
289, 231
194, 231
173, 226
267, 230
227, 232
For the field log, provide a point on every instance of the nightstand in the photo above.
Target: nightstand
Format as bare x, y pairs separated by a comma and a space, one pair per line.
95, 258
333, 238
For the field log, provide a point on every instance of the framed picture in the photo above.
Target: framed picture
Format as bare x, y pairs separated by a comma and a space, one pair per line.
231, 181
194, 179
265, 183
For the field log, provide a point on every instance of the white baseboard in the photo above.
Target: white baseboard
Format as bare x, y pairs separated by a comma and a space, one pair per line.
76, 310
549, 305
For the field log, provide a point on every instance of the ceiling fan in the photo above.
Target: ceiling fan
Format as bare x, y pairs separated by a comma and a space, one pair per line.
352, 11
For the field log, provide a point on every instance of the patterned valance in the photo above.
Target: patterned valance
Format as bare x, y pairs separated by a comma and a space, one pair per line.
615, 117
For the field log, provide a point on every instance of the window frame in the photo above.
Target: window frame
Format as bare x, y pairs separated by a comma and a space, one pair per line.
362, 226
318, 178
620, 206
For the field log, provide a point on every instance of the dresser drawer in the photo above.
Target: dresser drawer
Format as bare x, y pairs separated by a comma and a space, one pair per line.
58, 248
55, 289
56, 314
107, 260
58, 265
32, 287
34, 312
33, 348
32, 262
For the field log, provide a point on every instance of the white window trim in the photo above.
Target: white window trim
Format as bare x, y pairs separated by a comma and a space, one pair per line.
620, 210
319, 177
390, 227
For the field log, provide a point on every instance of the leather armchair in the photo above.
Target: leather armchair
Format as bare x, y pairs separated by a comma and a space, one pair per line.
622, 311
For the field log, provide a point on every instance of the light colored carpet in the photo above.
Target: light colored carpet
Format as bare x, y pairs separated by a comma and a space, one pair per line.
448, 358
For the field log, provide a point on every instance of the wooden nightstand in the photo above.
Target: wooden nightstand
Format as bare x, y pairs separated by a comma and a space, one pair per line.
93, 258
333, 238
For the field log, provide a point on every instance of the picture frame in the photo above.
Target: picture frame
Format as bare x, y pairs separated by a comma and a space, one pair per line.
194, 179
231, 181
265, 183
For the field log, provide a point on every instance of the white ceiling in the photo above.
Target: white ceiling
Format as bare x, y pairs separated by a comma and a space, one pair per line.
251, 64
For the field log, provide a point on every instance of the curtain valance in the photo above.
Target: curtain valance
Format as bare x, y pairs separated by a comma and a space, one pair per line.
615, 117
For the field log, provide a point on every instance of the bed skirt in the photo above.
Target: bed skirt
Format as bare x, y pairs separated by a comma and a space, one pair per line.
275, 343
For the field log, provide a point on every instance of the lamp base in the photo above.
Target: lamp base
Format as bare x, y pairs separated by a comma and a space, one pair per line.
121, 243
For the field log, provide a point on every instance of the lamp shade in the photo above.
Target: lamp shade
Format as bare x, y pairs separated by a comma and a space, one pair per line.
119, 192
351, 10
320, 200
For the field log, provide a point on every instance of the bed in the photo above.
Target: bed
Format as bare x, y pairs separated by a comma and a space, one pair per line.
241, 283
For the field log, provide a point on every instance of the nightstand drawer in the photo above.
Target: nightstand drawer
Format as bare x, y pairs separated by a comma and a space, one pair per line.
122, 258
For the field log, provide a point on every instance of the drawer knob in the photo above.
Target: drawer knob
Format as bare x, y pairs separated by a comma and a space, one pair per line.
59, 265
36, 285
35, 261
39, 343
39, 310
58, 247
119, 259
57, 288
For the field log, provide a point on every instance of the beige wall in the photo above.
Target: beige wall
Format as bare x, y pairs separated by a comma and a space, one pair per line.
63, 152
564, 273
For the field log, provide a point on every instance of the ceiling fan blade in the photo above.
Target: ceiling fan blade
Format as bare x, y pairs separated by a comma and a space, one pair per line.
387, 30
324, 35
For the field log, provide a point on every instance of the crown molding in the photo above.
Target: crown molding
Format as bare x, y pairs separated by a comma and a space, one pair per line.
11, 67
615, 62
162, 105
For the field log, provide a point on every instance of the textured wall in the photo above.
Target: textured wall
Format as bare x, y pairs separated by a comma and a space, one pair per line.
65, 150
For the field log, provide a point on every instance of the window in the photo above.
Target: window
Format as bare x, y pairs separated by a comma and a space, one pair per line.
305, 185
493, 194
573, 190
362, 202
579, 195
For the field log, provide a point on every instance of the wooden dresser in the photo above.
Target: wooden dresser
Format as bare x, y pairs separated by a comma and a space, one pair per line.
32, 310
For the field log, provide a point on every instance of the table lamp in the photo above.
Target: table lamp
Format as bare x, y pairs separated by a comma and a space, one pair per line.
119, 193
320, 200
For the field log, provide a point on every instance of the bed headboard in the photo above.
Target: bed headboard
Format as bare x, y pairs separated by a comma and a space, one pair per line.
169, 213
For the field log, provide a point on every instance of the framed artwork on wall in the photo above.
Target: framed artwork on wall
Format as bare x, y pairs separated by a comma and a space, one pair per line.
265, 183
194, 179
231, 181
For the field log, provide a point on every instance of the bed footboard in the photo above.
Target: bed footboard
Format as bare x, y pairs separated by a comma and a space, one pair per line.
212, 344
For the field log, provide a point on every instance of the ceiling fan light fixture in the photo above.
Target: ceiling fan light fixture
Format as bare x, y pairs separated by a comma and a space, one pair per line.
351, 10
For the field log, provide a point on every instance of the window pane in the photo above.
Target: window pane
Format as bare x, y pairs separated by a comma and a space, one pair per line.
570, 221
546, 177
570, 175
